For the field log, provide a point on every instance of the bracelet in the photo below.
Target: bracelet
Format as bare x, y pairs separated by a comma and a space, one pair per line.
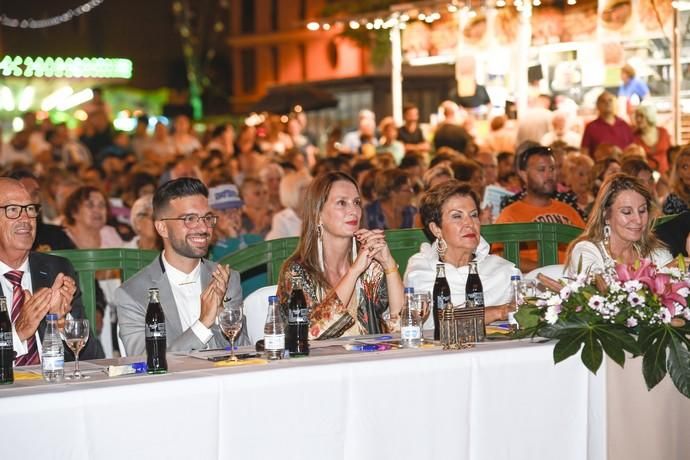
390, 271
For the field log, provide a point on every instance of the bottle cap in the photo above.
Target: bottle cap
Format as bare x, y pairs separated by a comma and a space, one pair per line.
409, 290
51, 316
272, 298
514, 277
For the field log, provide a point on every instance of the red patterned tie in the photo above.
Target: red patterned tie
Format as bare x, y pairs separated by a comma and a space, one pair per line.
31, 357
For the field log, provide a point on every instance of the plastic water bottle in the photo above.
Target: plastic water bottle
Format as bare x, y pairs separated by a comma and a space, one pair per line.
274, 331
53, 359
410, 322
515, 301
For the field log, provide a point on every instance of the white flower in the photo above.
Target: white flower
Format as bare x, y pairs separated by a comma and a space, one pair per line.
673, 271
665, 315
551, 315
565, 292
683, 292
686, 313
596, 302
581, 278
635, 300
554, 300
631, 322
632, 285
615, 287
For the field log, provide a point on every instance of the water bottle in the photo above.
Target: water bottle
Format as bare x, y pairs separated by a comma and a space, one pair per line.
410, 322
274, 331
53, 359
515, 301
6, 348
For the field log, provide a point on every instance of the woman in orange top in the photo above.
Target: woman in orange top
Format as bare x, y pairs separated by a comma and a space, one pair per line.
655, 140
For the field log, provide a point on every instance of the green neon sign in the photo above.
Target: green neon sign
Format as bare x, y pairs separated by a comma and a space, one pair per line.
39, 67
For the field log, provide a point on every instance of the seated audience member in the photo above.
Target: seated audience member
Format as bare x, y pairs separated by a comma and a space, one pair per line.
256, 215
388, 142
638, 167
560, 131
43, 283
579, 179
192, 289
603, 169
619, 229
288, 222
393, 205
363, 140
86, 213
679, 199
141, 219
228, 236
48, 237
335, 257
450, 215
537, 169
437, 175
655, 140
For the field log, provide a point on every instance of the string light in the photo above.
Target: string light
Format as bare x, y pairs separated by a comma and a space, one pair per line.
67, 16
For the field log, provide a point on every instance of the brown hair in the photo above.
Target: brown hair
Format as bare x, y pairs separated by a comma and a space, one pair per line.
677, 185
601, 211
315, 197
388, 181
432, 202
77, 198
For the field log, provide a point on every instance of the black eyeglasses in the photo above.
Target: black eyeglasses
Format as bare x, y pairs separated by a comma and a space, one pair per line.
191, 220
13, 211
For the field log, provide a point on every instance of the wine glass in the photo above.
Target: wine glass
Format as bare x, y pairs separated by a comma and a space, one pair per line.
76, 334
230, 322
423, 302
528, 290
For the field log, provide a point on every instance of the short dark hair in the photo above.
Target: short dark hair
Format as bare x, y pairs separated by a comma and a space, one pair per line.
634, 166
176, 188
77, 198
433, 200
539, 150
408, 107
21, 173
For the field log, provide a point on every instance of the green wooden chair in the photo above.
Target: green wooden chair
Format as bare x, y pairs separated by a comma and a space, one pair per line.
87, 262
270, 255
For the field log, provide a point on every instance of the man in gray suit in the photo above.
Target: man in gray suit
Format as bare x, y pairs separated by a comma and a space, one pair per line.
192, 289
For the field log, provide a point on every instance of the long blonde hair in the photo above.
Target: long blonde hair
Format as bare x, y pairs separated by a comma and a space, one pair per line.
677, 185
613, 186
306, 253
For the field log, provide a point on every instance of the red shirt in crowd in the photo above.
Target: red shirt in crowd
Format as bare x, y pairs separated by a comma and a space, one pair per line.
599, 132
657, 153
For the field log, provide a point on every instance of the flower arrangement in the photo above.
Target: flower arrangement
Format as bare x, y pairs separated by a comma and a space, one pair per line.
639, 309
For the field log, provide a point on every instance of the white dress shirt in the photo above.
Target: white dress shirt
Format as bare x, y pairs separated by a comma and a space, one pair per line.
186, 289
20, 346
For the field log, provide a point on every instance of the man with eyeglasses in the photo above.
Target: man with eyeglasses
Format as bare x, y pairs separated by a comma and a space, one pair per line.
192, 289
33, 283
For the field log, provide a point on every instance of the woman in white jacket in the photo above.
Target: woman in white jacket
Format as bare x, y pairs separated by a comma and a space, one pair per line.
450, 214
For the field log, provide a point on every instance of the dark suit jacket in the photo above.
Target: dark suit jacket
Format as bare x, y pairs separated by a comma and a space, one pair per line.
44, 269
674, 233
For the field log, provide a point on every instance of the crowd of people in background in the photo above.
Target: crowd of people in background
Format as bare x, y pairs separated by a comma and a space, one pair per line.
95, 184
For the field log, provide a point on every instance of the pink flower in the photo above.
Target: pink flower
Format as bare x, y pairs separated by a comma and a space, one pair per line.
660, 284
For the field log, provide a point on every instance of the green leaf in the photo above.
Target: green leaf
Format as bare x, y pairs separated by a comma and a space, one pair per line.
654, 359
612, 346
592, 354
679, 364
568, 346
527, 316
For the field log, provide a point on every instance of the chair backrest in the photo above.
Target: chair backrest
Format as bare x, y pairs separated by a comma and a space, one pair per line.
87, 262
255, 309
270, 255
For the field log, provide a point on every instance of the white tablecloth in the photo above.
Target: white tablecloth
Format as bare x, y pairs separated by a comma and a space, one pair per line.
497, 401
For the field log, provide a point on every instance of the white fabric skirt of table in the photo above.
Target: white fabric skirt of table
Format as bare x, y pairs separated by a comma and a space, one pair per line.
496, 401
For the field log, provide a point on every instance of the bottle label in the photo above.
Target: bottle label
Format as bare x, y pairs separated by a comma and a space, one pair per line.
53, 363
410, 332
475, 299
442, 301
5, 339
274, 342
155, 330
298, 316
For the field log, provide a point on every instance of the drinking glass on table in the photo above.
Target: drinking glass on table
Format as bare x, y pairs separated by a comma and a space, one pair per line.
423, 305
528, 290
230, 322
76, 334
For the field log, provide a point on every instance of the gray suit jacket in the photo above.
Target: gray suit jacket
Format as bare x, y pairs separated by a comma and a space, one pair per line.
131, 300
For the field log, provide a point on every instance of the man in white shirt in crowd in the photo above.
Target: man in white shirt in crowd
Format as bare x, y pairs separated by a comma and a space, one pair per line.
192, 289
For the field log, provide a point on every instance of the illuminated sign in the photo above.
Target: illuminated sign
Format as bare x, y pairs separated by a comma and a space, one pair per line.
39, 67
